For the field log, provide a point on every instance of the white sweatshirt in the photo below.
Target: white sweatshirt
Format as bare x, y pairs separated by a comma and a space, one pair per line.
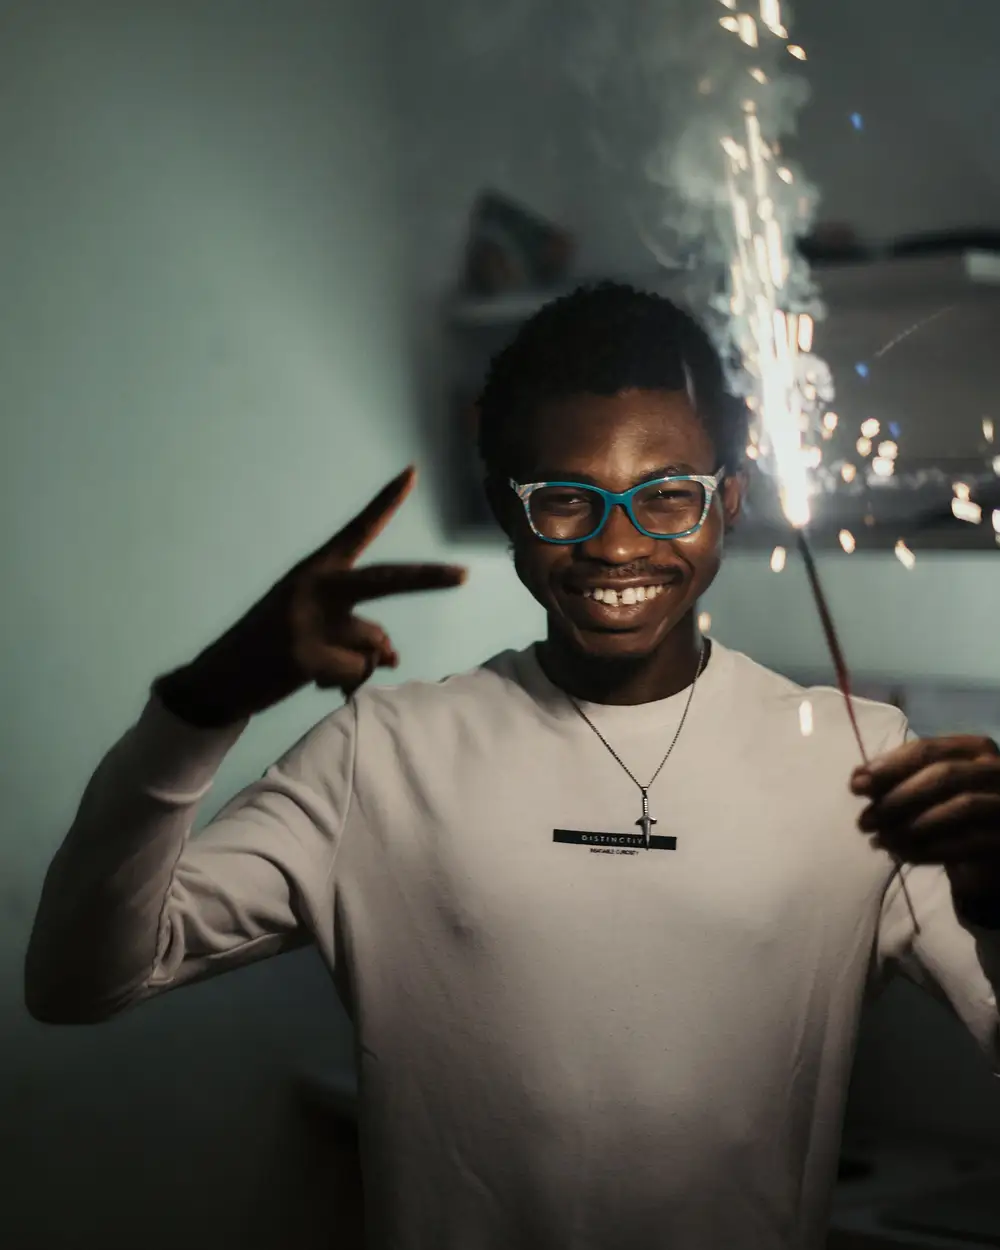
564, 1042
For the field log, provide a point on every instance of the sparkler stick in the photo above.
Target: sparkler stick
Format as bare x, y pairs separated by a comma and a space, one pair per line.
832, 641
843, 675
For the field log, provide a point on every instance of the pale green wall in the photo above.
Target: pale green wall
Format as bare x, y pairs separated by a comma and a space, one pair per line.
939, 619
204, 338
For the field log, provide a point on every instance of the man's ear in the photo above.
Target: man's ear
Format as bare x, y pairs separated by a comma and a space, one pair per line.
734, 490
499, 497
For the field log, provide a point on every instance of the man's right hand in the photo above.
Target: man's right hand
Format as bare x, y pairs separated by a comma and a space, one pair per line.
305, 628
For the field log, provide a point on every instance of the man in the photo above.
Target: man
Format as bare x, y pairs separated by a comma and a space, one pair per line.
602, 916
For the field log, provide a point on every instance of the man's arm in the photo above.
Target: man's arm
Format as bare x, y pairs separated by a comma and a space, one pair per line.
133, 906
955, 959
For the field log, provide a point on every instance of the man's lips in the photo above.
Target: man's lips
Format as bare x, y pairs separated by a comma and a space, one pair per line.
619, 586
625, 603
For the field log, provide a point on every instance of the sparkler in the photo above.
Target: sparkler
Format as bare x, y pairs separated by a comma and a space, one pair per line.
775, 337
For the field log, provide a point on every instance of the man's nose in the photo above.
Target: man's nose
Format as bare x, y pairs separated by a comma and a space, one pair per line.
619, 542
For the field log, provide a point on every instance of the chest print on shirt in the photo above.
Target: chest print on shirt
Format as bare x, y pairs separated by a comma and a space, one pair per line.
618, 843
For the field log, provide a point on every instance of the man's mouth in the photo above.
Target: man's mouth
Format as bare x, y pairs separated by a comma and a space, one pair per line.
616, 605
625, 596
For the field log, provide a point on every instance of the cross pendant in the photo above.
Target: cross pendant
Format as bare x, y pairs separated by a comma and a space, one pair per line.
646, 821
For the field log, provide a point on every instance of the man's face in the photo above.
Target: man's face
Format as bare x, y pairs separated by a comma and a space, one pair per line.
617, 442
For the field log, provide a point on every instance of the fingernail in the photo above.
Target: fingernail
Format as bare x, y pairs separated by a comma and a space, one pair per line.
861, 781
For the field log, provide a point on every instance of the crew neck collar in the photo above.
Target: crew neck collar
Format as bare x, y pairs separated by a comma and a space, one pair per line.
555, 703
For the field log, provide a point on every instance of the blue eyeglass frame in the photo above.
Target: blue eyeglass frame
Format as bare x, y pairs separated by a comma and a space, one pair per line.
623, 499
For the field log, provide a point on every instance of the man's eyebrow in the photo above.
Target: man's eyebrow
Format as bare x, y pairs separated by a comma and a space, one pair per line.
551, 474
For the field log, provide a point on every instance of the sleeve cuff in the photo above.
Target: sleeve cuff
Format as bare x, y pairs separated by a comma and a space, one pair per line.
175, 761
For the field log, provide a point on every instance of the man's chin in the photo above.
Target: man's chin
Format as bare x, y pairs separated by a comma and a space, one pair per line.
614, 644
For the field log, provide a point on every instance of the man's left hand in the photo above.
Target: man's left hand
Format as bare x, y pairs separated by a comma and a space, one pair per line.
937, 801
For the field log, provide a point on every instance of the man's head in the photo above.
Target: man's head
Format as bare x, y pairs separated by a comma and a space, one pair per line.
613, 388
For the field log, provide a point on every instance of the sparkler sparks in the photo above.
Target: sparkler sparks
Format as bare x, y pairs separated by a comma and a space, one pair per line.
747, 30
966, 510
770, 340
778, 557
774, 334
904, 555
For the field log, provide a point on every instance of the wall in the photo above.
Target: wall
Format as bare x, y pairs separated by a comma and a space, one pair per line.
206, 365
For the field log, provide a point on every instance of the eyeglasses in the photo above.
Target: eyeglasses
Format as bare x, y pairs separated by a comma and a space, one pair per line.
571, 512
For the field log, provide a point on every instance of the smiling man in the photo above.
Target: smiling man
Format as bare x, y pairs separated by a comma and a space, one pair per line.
603, 918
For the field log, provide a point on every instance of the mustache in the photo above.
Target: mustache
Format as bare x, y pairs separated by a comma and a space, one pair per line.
626, 572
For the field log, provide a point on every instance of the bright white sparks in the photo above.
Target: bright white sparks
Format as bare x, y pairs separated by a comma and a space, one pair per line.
770, 15
847, 541
848, 472
806, 718
768, 338
870, 428
778, 557
966, 510
988, 429
904, 555
705, 622
748, 30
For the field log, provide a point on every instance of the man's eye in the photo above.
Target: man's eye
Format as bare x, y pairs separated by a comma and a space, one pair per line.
565, 498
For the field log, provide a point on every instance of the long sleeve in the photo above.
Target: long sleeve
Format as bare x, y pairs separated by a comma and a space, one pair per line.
133, 905
956, 961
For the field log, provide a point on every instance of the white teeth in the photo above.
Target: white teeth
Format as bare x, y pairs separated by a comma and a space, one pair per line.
631, 594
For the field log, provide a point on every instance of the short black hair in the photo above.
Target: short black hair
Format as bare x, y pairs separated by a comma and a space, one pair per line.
602, 339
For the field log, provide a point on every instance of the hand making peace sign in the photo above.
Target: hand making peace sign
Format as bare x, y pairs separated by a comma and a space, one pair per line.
305, 628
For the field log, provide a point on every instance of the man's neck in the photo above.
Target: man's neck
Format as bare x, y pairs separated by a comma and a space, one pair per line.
667, 671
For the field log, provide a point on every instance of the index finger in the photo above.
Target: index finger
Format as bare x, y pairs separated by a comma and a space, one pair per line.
378, 580
890, 769
358, 533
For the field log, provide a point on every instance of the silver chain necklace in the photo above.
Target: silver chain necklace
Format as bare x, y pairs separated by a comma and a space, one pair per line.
647, 821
